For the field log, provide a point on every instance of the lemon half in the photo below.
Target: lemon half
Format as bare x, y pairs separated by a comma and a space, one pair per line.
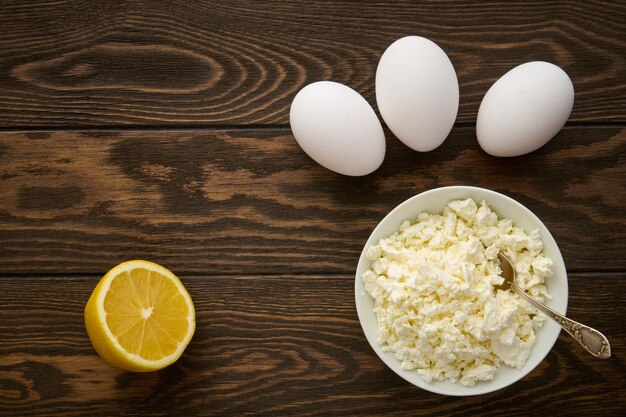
140, 317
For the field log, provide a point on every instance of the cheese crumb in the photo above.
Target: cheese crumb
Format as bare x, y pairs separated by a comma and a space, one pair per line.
433, 288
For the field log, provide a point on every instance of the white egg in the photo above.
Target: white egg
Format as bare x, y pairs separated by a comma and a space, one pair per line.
417, 92
337, 127
524, 109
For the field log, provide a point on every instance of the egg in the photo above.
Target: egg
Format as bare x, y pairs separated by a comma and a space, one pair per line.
337, 128
524, 109
417, 92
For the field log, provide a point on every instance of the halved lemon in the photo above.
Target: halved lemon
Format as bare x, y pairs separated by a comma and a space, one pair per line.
140, 317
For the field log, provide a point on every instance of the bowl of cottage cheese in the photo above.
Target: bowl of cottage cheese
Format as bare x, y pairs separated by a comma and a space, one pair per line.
427, 296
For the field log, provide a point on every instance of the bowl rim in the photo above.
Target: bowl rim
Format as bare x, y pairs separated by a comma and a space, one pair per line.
481, 387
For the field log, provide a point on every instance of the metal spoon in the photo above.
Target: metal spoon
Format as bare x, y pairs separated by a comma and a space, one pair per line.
589, 338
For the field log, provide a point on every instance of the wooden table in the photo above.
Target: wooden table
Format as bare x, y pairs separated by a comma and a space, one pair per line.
159, 130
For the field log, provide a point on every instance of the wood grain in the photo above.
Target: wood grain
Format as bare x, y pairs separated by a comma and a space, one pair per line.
278, 346
93, 63
266, 240
250, 201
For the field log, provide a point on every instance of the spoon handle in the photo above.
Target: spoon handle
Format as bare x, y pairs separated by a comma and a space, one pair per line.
591, 339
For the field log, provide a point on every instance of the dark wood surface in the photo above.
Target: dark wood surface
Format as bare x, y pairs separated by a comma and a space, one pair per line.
158, 130
118, 62
278, 345
250, 201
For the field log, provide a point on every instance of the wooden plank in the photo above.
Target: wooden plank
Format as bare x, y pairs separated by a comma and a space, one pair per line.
241, 62
278, 346
250, 201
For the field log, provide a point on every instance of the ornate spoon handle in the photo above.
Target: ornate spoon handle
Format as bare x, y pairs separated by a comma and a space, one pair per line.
591, 339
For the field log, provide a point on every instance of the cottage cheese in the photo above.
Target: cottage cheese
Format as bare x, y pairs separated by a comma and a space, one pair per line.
433, 288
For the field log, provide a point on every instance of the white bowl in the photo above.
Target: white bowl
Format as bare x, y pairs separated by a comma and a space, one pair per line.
434, 201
